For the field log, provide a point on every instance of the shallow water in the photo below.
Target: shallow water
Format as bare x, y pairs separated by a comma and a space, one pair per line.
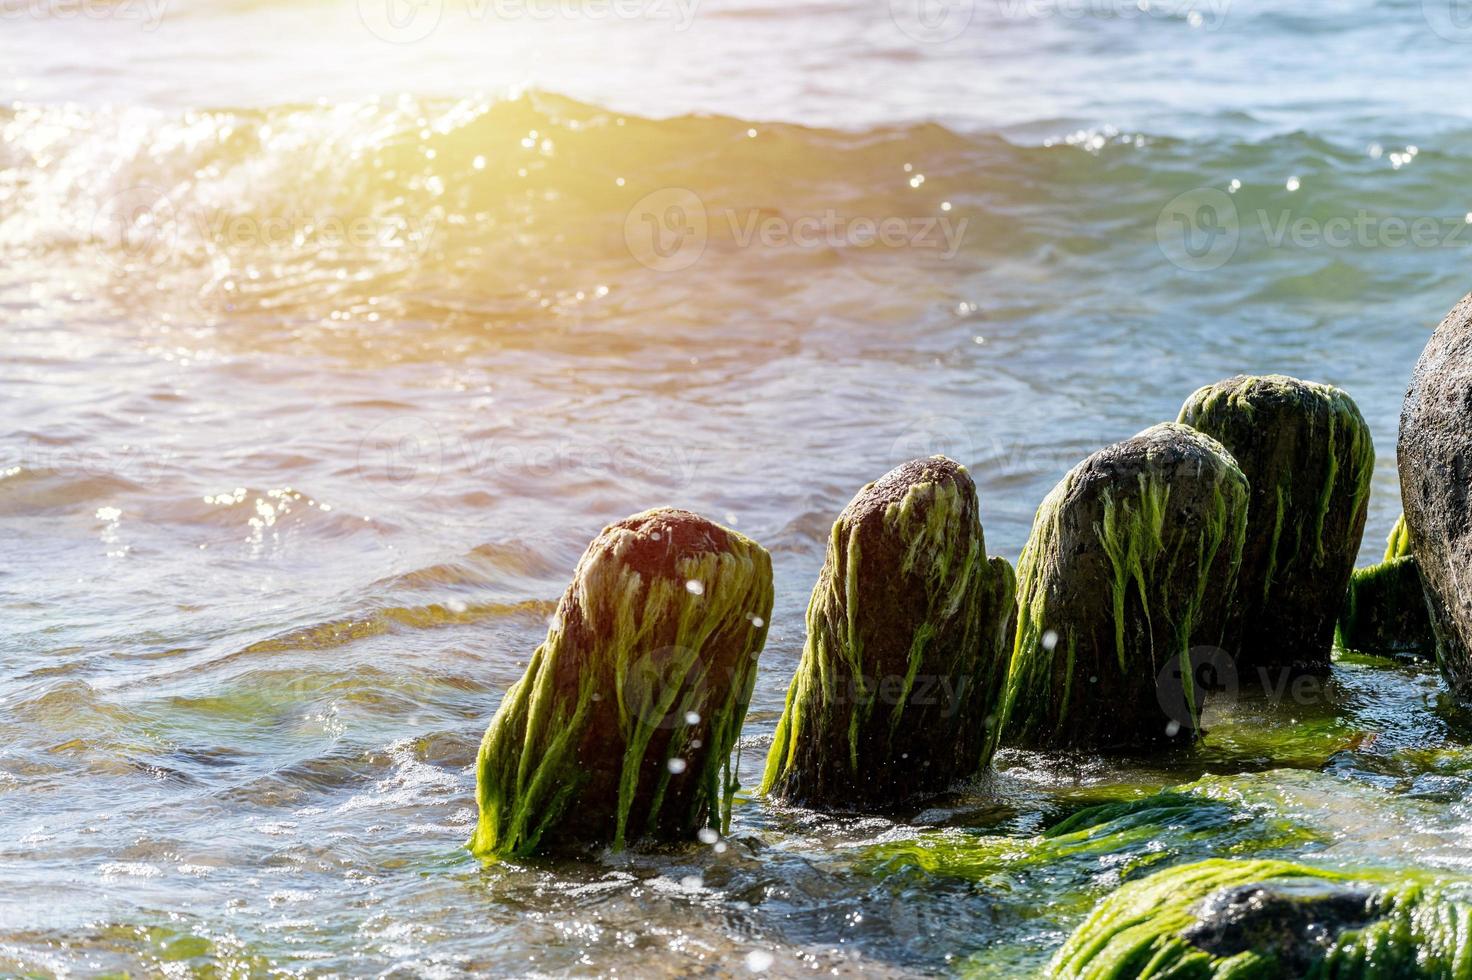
325, 356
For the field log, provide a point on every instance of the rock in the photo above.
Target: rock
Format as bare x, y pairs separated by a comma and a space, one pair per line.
908, 630
1308, 456
622, 727
1126, 837
1223, 919
1435, 458
1128, 576
1385, 606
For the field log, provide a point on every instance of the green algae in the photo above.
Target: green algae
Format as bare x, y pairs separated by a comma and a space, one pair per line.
906, 593
662, 623
1092, 849
1385, 609
1307, 452
1170, 536
1398, 543
1303, 921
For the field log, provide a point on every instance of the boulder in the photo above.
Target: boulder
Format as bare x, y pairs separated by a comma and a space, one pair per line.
1385, 606
1308, 456
1220, 919
622, 727
1125, 583
908, 631
1435, 458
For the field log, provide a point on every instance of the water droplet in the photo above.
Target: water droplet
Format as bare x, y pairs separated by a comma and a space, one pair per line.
1172, 728
691, 883
758, 960
456, 605
708, 835
1292, 184
676, 766
1050, 640
695, 587
692, 717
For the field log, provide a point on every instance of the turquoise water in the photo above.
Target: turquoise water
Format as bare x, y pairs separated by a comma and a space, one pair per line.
325, 355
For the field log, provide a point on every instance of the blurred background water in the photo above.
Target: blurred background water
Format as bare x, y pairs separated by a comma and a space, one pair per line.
334, 331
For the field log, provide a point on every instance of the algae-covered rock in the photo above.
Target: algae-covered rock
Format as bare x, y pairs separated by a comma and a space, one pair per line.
1222, 919
1132, 563
623, 724
1307, 454
1435, 459
1097, 845
908, 630
1385, 606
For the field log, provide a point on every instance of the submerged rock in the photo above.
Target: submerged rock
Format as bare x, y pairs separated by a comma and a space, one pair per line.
1307, 454
622, 726
1385, 606
1435, 457
908, 630
1131, 565
1107, 841
1220, 919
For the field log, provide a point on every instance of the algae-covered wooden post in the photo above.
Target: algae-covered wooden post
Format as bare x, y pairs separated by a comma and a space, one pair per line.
1131, 565
623, 725
1385, 606
1307, 454
908, 628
